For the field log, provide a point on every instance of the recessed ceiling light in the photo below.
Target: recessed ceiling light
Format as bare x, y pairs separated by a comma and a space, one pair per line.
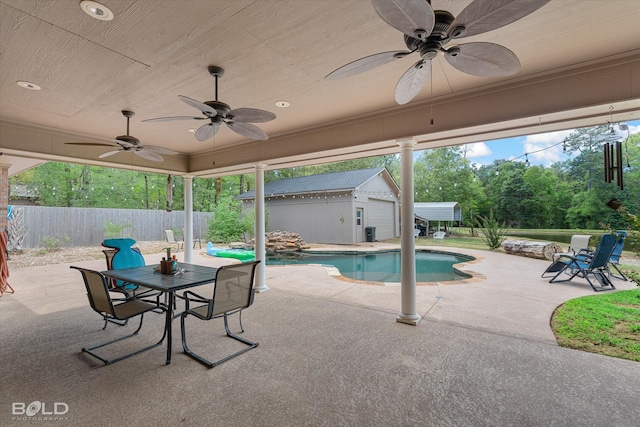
96, 10
193, 130
282, 104
28, 85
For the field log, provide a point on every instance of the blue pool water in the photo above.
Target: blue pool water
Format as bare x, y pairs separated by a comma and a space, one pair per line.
382, 266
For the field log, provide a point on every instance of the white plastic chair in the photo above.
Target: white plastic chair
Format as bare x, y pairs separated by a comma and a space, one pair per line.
439, 235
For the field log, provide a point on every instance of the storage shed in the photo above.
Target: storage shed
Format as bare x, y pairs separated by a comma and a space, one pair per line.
339, 208
437, 211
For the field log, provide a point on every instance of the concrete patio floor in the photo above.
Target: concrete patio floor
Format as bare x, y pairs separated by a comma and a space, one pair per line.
330, 354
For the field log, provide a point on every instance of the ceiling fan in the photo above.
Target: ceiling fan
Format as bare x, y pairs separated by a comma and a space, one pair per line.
427, 32
129, 143
216, 112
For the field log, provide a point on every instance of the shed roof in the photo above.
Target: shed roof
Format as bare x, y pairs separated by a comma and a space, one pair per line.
328, 182
443, 211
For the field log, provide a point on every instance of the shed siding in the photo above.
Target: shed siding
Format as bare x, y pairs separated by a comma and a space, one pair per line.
317, 221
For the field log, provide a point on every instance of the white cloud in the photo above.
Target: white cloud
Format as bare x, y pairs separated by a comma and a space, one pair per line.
478, 149
545, 148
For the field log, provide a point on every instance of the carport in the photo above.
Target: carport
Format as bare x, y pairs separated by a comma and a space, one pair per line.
437, 211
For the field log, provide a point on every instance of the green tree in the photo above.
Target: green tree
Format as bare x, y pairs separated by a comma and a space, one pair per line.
445, 175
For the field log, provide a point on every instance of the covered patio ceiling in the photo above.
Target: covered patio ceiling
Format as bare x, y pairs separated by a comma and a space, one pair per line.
580, 66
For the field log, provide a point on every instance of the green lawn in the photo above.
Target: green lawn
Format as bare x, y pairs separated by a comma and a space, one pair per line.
607, 324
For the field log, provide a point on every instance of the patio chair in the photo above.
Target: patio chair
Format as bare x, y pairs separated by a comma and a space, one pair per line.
587, 265
195, 239
614, 261
172, 239
120, 253
232, 293
439, 235
579, 242
97, 286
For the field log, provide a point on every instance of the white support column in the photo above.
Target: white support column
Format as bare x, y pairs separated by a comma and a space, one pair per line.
409, 313
260, 249
188, 219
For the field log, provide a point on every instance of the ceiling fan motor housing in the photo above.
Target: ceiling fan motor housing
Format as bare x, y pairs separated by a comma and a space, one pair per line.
219, 106
131, 140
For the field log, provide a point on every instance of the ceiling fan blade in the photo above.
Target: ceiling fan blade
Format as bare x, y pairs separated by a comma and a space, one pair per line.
91, 144
149, 155
365, 64
412, 81
207, 110
483, 59
485, 15
158, 150
207, 131
108, 153
415, 18
251, 115
167, 119
248, 130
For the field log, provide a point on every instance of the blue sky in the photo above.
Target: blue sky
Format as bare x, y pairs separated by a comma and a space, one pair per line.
483, 153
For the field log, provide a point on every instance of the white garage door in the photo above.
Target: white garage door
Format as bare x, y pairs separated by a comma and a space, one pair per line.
382, 216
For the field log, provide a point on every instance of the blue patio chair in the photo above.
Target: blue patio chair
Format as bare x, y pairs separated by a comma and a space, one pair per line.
614, 261
120, 253
587, 265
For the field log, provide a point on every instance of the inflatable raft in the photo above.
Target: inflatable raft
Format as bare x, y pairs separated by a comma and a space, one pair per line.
241, 254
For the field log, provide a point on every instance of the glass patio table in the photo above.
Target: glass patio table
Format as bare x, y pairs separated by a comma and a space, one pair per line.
193, 275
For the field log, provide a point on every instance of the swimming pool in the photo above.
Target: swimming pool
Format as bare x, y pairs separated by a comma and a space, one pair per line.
380, 266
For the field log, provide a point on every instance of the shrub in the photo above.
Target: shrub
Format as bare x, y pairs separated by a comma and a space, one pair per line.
227, 224
633, 241
492, 231
52, 244
113, 230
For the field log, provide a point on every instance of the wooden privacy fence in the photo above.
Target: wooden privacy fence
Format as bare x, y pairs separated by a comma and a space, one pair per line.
89, 226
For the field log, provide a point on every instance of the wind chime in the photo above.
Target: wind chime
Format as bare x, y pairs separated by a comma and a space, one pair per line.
613, 163
169, 194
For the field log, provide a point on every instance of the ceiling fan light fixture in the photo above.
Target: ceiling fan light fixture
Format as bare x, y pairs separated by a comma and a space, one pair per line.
458, 32
96, 10
453, 52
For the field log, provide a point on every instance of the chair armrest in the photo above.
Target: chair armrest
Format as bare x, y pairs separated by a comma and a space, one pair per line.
569, 257
197, 298
585, 252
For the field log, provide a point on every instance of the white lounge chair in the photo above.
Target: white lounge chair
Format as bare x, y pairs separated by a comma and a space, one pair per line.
439, 235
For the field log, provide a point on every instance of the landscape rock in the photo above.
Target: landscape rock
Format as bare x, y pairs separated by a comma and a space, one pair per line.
283, 241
